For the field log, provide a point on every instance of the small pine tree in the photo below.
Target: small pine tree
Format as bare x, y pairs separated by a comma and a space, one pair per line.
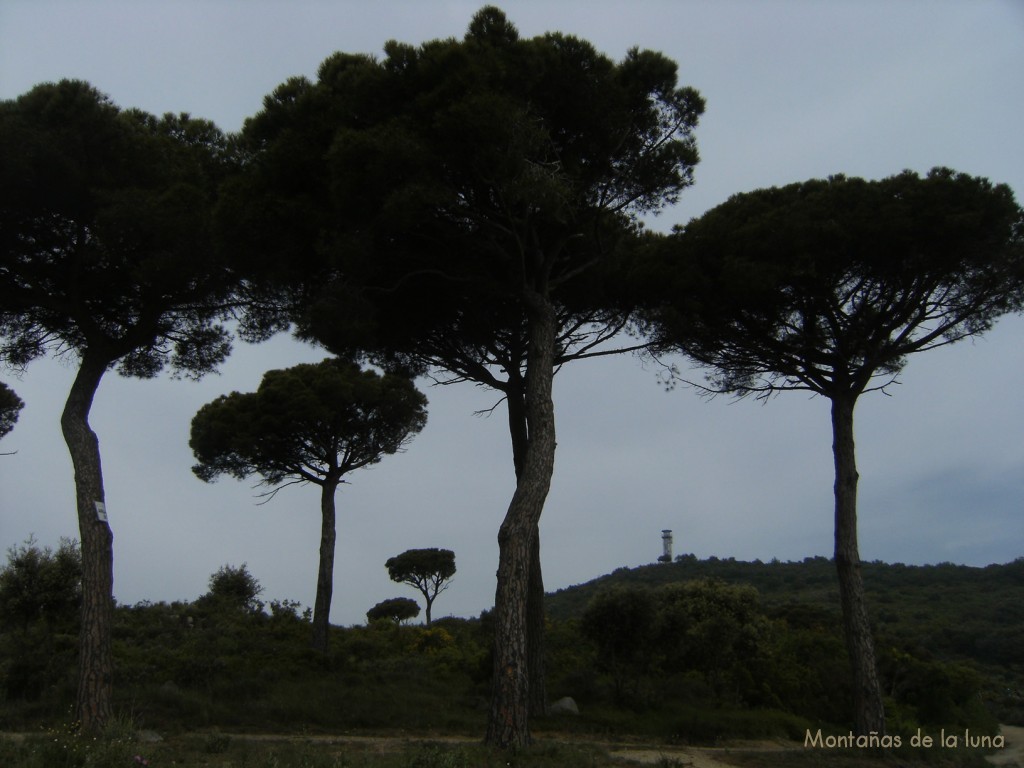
397, 609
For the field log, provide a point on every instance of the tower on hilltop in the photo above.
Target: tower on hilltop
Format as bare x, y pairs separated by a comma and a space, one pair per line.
666, 546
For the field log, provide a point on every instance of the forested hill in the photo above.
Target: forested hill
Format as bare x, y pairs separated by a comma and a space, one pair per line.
953, 611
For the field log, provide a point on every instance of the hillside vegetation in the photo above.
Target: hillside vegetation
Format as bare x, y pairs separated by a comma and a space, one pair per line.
967, 616
689, 652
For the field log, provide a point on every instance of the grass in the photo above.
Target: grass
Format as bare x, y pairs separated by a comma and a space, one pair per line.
121, 748
66, 749
682, 724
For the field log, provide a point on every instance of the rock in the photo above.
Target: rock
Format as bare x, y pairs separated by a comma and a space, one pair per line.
149, 737
564, 706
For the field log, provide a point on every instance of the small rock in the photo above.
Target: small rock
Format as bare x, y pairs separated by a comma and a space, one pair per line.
564, 706
150, 737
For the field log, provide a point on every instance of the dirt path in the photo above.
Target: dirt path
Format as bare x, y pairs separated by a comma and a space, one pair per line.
644, 754
1013, 754
690, 757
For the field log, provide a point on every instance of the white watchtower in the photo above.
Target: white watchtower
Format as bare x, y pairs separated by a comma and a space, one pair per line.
666, 546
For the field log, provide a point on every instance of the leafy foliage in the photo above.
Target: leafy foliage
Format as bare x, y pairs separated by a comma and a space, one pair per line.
40, 592
702, 628
396, 609
429, 172
233, 588
621, 622
10, 409
41, 585
936, 623
106, 237
829, 285
307, 423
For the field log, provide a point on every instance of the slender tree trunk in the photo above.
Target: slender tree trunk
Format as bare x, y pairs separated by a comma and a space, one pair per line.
325, 573
508, 725
535, 631
95, 658
869, 712
517, 424
535, 597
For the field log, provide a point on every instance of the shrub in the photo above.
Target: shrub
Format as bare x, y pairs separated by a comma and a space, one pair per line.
233, 588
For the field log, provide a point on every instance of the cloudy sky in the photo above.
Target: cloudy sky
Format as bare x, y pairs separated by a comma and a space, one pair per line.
795, 90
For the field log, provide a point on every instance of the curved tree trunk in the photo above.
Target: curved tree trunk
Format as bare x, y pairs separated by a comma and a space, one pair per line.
325, 572
869, 712
535, 597
508, 724
95, 657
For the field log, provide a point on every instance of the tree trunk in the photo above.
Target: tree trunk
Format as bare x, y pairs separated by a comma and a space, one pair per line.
869, 714
508, 724
535, 631
95, 657
325, 573
535, 591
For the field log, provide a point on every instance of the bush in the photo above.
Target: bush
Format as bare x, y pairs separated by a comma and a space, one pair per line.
233, 588
40, 592
40, 585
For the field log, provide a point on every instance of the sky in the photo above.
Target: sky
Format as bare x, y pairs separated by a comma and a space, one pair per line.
795, 90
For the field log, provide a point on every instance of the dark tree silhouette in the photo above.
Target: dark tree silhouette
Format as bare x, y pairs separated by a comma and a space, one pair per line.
309, 424
828, 286
106, 256
457, 207
234, 588
10, 409
428, 570
396, 609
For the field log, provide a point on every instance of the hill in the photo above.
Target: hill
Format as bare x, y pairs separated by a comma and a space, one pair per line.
694, 650
947, 612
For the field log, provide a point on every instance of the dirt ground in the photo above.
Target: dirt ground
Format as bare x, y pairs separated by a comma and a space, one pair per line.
1012, 756
691, 757
643, 754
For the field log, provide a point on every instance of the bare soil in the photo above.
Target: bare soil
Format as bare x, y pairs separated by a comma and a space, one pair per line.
695, 757
728, 755
1013, 754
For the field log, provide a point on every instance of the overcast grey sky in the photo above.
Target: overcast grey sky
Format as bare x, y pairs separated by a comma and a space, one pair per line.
795, 90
